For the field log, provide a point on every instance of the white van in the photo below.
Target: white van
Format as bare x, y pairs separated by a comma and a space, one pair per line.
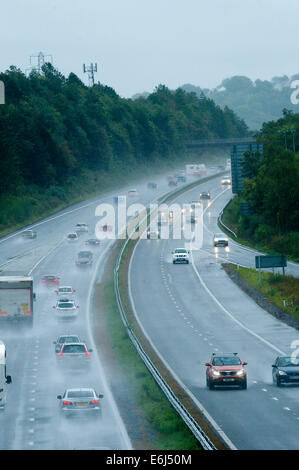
4, 379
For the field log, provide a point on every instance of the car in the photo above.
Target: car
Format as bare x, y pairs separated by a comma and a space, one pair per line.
169, 177
133, 192
226, 369
92, 242
193, 219
285, 370
72, 237
50, 280
83, 261
172, 183
75, 354
151, 185
64, 339
85, 254
221, 167
28, 234
226, 180
80, 401
66, 308
106, 228
65, 290
220, 239
180, 255
81, 228
181, 178
153, 234
205, 195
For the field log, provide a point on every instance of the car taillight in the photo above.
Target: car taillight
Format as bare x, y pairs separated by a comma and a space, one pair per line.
44, 280
65, 402
87, 353
56, 308
94, 402
60, 354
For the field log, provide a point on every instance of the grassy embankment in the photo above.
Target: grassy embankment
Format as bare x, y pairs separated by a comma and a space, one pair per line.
281, 291
34, 203
251, 233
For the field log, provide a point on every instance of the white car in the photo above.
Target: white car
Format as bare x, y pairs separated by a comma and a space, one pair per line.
81, 228
66, 308
226, 180
153, 234
220, 239
65, 290
180, 255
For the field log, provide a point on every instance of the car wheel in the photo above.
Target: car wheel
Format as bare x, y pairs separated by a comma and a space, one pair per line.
278, 383
187, 262
244, 385
209, 384
173, 262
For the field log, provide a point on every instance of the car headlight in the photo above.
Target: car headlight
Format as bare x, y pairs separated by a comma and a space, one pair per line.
240, 372
281, 372
216, 372
215, 239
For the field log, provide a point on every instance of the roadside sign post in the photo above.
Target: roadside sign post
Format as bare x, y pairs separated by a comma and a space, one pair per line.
270, 261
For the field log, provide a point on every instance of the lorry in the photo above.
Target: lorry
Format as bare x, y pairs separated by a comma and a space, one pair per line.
16, 299
196, 169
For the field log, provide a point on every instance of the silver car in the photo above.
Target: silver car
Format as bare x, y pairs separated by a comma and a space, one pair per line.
80, 401
75, 354
66, 308
61, 340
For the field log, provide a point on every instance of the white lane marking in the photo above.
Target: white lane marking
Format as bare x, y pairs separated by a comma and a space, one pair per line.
275, 398
286, 408
229, 314
264, 390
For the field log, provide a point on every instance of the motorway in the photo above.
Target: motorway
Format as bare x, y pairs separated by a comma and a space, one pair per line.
31, 419
189, 311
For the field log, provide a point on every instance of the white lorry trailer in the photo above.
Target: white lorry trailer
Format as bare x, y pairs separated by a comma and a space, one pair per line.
16, 299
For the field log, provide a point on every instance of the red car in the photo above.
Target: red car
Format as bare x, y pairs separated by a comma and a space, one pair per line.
50, 280
226, 369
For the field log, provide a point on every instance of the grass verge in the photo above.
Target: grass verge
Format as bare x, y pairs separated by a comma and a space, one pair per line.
281, 291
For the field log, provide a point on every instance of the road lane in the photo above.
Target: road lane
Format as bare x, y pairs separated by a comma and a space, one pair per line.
186, 325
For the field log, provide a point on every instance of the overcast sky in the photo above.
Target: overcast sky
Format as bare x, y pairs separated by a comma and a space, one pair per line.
139, 44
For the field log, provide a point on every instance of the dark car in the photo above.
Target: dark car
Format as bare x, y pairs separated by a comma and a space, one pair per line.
85, 254
84, 261
29, 234
50, 280
226, 369
285, 370
172, 183
205, 195
92, 242
151, 185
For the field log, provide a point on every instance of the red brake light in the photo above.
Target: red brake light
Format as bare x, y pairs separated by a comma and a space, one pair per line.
94, 402
87, 353
60, 354
65, 402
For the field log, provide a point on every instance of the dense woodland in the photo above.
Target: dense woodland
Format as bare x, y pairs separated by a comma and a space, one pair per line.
272, 188
256, 101
58, 136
